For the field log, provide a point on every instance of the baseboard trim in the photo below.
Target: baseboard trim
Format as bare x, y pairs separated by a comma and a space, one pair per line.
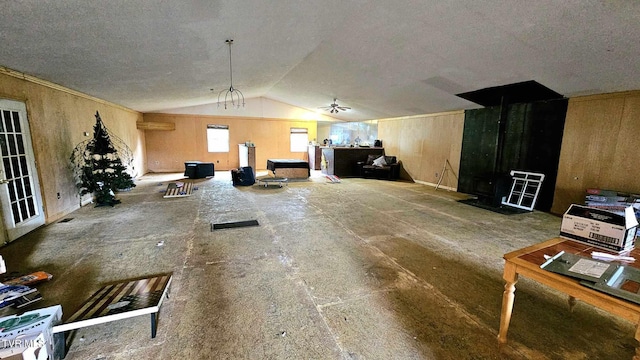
434, 185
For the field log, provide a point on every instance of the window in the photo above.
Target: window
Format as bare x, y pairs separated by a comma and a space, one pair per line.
218, 138
299, 140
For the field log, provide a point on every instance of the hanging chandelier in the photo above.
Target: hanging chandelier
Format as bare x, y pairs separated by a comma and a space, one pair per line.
232, 94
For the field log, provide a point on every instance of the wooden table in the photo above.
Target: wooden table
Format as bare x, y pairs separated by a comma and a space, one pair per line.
527, 262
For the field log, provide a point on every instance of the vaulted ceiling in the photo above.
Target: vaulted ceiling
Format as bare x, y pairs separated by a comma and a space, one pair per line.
381, 58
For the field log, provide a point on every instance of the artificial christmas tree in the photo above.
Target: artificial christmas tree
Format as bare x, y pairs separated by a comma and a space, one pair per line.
99, 169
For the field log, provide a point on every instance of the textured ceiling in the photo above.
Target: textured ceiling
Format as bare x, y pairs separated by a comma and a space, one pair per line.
381, 58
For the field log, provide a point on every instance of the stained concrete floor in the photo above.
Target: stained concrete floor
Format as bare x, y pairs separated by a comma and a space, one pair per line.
363, 269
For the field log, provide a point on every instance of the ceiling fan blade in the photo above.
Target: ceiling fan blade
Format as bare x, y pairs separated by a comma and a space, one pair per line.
334, 108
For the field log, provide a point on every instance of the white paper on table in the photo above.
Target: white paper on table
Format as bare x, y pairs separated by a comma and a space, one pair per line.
589, 268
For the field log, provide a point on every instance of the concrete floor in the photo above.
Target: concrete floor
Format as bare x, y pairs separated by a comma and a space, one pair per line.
363, 269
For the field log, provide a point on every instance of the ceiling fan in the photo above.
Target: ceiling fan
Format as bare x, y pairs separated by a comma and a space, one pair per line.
335, 108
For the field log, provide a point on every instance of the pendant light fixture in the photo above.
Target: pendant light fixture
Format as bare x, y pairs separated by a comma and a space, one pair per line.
232, 94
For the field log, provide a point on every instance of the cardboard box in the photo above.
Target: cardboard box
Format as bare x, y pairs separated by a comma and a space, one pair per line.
601, 228
29, 336
613, 201
30, 347
611, 198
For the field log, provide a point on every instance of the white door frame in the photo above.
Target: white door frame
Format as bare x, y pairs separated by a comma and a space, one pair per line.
20, 196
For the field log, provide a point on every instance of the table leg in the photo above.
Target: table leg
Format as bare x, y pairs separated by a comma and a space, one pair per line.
572, 303
637, 336
154, 324
511, 277
59, 346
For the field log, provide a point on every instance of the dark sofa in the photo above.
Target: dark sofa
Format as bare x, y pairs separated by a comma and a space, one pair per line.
371, 169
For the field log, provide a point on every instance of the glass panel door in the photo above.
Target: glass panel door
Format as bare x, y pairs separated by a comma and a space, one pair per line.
19, 188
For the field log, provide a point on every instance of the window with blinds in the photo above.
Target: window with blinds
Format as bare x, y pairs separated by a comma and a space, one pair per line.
299, 139
218, 138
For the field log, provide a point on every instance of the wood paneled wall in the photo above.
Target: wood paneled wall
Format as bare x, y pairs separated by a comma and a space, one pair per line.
423, 144
599, 147
168, 150
58, 118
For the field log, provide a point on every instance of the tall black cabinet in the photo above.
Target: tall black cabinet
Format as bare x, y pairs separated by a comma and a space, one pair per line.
498, 139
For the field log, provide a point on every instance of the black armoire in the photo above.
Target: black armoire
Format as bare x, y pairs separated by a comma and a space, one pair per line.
512, 136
